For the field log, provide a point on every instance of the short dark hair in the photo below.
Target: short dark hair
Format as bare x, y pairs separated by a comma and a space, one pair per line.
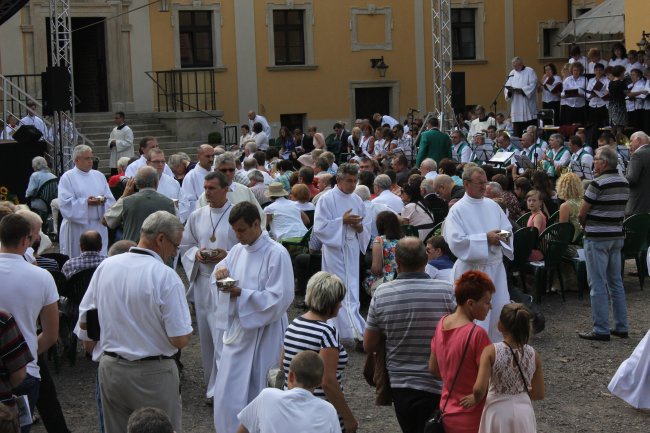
246, 127
143, 143
392, 175
552, 67
433, 121
307, 174
401, 160
272, 152
441, 243
367, 178
90, 241
337, 125
13, 228
410, 255
308, 368
223, 181
260, 157
149, 420
246, 211
472, 285
120, 114
576, 140
257, 127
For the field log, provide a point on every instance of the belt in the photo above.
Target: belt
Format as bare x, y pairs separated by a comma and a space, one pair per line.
148, 358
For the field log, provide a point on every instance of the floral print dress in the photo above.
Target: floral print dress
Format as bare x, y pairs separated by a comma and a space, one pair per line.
390, 266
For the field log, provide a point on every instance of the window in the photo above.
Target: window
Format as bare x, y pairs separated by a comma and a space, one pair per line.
293, 121
548, 40
289, 37
195, 39
463, 33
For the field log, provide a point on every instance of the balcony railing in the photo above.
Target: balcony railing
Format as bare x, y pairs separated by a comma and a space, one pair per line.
184, 90
30, 85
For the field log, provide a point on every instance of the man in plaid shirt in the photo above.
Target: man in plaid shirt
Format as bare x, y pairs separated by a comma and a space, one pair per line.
91, 256
14, 357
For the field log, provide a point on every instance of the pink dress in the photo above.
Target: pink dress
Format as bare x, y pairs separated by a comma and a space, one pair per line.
536, 255
448, 347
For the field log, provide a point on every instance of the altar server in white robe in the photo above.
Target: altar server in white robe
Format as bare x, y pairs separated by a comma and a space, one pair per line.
342, 224
472, 232
252, 314
237, 193
523, 97
192, 186
631, 382
167, 186
207, 238
120, 142
144, 147
84, 197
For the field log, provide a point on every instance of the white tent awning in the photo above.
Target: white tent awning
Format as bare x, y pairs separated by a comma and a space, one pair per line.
606, 19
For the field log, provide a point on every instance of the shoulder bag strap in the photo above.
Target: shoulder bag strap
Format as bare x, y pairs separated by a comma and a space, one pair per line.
469, 338
519, 367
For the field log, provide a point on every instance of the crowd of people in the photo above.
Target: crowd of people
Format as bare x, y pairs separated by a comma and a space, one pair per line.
413, 222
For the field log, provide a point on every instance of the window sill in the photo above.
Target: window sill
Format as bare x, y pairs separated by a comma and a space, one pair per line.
207, 68
470, 62
276, 68
553, 59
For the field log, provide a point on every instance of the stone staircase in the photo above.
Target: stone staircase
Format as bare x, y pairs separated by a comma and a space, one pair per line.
97, 127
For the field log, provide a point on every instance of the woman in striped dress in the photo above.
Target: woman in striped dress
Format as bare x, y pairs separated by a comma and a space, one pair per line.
325, 292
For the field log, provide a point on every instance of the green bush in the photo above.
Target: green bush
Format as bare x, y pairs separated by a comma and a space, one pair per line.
214, 138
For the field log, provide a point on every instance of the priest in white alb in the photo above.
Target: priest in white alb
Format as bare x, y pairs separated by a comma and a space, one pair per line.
473, 231
342, 224
192, 186
144, 147
252, 313
120, 142
167, 185
237, 193
84, 196
521, 92
207, 238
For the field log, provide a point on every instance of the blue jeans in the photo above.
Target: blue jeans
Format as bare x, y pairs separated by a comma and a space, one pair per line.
29, 387
604, 275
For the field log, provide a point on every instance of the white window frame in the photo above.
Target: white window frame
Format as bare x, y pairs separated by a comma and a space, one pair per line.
388, 28
479, 29
308, 23
217, 23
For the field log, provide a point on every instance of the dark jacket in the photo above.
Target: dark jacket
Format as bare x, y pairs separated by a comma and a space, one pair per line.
638, 176
137, 207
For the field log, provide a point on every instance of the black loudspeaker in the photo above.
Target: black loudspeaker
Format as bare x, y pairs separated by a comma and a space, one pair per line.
56, 90
458, 91
27, 134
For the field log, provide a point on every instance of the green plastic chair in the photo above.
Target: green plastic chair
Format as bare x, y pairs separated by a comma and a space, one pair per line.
524, 241
46, 192
298, 245
435, 231
553, 219
409, 230
636, 243
523, 220
553, 243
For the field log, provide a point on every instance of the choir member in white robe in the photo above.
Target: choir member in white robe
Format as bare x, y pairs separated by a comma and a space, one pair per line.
237, 192
82, 210
120, 142
145, 146
342, 224
167, 186
192, 186
523, 98
252, 314
472, 232
207, 228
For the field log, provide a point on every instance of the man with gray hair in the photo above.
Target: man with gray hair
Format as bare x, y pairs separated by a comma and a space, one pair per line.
84, 197
258, 187
141, 330
429, 168
479, 234
372, 208
134, 207
638, 174
384, 195
601, 214
521, 92
41, 175
432, 200
493, 190
342, 224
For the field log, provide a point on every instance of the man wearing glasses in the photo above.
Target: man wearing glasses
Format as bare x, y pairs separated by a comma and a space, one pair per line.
167, 185
143, 319
193, 182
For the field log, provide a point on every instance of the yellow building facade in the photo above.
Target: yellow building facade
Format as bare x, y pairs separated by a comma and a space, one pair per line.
297, 62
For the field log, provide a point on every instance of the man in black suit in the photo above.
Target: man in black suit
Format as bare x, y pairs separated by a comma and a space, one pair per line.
638, 174
433, 201
339, 142
304, 141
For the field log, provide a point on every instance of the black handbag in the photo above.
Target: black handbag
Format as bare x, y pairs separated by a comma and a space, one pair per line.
434, 424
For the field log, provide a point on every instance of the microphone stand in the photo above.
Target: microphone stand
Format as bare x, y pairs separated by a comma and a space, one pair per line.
494, 101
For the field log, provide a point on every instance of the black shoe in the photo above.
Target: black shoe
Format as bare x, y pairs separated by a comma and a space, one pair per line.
593, 336
209, 401
620, 334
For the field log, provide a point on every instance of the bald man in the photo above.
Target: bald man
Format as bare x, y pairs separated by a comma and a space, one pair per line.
193, 183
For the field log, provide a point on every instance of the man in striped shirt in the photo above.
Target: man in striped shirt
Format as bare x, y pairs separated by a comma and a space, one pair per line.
406, 311
14, 357
601, 215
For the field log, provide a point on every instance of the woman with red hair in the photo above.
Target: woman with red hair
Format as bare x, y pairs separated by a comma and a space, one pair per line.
456, 350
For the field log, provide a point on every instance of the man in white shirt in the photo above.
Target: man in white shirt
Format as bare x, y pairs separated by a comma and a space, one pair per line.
480, 124
429, 168
141, 330
384, 120
384, 195
460, 152
581, 161
284, 218
120, 142
33, 119
206, 241
254, 118
167, 186
521, 92
295, 410
251, 313
192, 186
84, 197
145, 145
29, 294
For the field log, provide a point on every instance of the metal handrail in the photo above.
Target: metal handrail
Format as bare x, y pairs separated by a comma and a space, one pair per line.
176, 98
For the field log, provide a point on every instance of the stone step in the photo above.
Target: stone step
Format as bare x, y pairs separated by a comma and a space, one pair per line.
153, 129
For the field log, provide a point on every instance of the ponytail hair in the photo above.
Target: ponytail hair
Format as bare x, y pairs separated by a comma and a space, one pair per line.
515, 319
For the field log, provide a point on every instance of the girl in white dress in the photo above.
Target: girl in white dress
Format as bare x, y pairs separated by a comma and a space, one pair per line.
514, 373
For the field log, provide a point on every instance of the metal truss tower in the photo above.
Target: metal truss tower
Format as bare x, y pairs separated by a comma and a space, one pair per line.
64, 136
442, 63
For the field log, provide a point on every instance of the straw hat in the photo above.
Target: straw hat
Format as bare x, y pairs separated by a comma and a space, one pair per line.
276, 190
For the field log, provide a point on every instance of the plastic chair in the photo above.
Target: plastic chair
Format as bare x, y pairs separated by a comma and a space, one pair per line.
435, 231
552, 243
636, 243
47, 192
310, 215
553, 219
409, 230
297, 245
74, 292
60, 259
523, 220
524, 241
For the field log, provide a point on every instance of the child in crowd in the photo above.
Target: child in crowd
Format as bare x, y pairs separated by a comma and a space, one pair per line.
513, 371
537, 219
